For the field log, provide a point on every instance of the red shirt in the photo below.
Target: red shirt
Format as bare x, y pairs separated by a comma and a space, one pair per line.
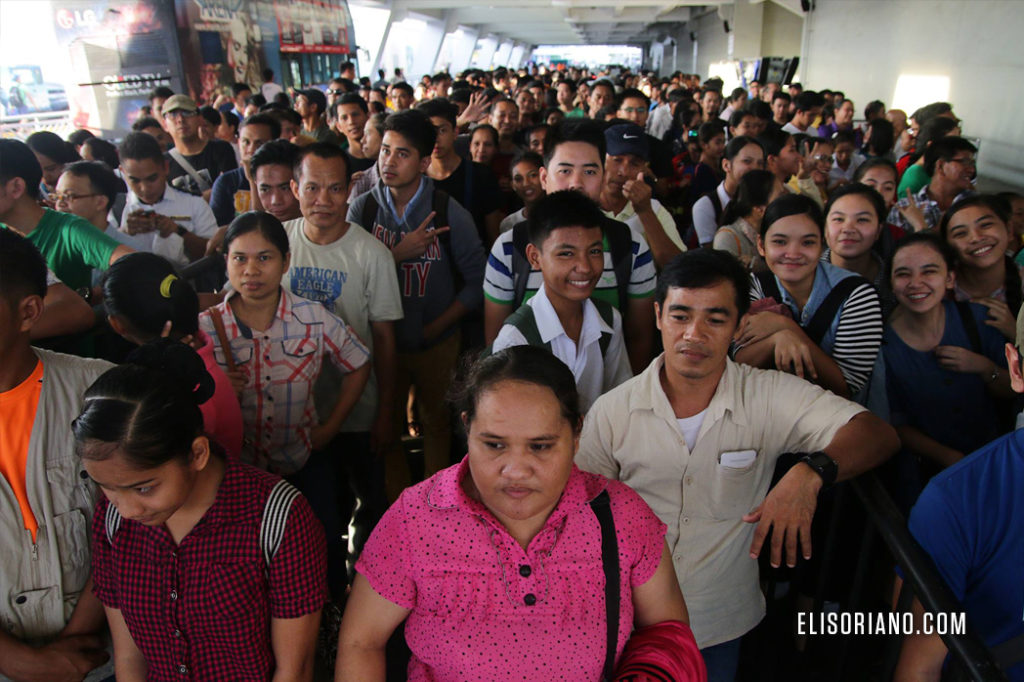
201, 610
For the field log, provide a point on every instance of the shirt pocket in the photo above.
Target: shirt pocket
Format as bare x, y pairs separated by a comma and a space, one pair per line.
242, 356
72, 535
734, 490
231, 592
301, 359
70, 485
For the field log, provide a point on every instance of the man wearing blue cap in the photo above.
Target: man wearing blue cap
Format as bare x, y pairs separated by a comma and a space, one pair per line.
626, 197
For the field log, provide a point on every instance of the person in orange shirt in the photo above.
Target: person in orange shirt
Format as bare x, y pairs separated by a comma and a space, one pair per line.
49, 617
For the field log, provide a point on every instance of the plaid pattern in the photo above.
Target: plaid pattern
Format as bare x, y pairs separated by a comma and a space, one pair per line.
281, 364
201, 610
930, 208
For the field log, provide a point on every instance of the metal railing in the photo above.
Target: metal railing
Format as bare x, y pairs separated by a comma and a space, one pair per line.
834, 659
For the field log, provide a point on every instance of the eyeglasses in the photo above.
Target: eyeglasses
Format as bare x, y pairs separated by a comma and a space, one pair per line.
823, 157
180, 113
968, 161
337, 93
69, 197
634, 110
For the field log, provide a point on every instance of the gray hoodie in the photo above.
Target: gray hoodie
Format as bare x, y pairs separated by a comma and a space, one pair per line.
427, 283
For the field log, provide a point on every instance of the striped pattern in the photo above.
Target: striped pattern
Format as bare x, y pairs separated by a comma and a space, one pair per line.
499, 286
275, 518
281, 365
858, 334
111, 522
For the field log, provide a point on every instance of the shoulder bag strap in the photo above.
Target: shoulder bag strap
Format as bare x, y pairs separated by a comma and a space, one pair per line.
610, 559
190, 169
222, 336
970, 326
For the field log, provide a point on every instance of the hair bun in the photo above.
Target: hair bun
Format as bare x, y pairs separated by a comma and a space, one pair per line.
180, 363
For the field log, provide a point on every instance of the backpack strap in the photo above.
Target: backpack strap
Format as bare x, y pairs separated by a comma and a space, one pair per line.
610, 561
520, 266
620, 245
525, 321
275, 518
607, 313
370, 212
820, 322
111, 522
716, 203
769, 287
970, 325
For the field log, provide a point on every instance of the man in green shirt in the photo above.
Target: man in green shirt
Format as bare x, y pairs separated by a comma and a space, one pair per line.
311, 105
72, 247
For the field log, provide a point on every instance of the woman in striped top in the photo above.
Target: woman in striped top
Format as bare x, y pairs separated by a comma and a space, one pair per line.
826, 324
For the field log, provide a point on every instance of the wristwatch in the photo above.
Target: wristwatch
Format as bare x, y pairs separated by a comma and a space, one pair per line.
823, 465
181, 231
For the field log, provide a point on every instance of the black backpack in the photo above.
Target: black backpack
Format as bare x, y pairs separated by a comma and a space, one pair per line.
439, 205
620, 245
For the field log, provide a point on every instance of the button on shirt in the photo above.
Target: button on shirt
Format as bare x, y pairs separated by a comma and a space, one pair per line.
483, 608
631, 434
201, 609
281, 364
594, 374
189, 211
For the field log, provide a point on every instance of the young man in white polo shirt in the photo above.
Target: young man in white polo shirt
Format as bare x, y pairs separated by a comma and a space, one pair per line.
180, 223
566, 245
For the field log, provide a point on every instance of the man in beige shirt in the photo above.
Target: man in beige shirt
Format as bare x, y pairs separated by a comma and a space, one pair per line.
698, 435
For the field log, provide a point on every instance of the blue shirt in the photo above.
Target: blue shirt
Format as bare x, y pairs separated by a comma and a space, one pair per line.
970, 519
952, 407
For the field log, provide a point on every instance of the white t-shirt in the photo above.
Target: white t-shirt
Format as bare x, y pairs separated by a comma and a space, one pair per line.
594, 375
354, 278
793, 130
704, 220
188, 210
690, 428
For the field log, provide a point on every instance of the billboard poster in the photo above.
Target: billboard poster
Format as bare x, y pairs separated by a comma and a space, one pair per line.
119, 52
323, 26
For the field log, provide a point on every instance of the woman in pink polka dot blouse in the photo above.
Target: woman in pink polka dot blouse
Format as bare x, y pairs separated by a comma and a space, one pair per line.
495, 563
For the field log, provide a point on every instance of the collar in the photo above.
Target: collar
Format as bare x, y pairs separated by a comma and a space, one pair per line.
550, 327
389, 201
233, 499
651, 395
446, 493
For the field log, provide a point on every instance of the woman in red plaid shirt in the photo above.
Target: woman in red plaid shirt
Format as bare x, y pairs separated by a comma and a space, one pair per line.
193, 588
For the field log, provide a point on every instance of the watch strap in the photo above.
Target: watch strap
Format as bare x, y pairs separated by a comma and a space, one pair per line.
823, 465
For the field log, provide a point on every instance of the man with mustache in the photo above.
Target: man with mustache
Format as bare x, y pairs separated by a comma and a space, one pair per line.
698, 436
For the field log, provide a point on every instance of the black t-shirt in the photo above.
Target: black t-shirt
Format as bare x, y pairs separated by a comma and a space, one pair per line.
355, 165
661, 157
217, 157
477, 190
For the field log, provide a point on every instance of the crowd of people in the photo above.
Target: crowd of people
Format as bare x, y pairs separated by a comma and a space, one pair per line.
638, 327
